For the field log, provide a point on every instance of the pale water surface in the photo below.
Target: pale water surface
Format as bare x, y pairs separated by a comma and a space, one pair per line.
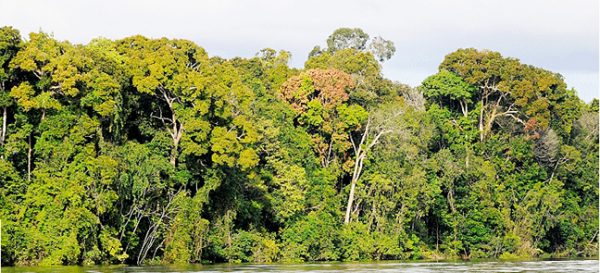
416, 267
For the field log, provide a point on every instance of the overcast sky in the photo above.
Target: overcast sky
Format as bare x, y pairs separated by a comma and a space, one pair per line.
559, 35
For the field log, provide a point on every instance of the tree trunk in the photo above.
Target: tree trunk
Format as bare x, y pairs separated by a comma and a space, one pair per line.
3, 135
464, 107
481, 121
176, 130
177, 134
357, 170
350, 200
358, 165
29, 153
174, 154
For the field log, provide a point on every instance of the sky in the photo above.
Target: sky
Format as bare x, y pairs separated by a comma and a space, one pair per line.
558, 35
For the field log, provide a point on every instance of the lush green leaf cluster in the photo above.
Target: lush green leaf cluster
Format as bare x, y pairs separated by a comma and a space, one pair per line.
151, 151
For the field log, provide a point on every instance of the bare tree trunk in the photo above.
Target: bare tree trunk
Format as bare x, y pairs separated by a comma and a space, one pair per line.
328, 158
450, 197
29, 153
350, 200
358, 151
358, 164
174, 154
3, 133
481, 121
153, 232
4, 116
355, 176
464, 107
178, 133
176, 136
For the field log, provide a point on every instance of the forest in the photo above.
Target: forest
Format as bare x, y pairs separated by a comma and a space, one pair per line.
152, 151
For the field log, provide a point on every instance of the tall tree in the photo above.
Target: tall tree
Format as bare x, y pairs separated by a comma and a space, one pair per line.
318, 97
51, 73
10, 44
388, 120
508, 89
170, 72
343, 38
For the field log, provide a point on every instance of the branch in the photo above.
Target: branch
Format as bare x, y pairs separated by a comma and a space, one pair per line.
516, 118
179, 134
353, 143
328, 158
381, 133
365, 135
38, 74
163, 119
168, 99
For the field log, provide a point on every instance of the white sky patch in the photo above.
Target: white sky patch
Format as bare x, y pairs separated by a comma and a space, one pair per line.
561, 36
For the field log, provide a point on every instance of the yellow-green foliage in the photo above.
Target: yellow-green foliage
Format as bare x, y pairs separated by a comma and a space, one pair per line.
150, 151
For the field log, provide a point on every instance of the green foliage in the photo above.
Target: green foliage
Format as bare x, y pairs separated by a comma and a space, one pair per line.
446, 87
312, 238
146, 150
342, 38
252, 247
10, 44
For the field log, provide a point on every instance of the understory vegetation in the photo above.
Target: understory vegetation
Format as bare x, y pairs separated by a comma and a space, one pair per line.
144, 151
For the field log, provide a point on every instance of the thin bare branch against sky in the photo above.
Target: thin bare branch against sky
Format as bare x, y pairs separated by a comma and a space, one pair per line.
558, 35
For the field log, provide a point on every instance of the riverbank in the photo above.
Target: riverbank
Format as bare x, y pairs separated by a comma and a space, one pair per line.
383, 266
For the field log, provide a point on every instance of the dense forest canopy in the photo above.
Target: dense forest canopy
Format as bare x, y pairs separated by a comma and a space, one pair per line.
145, 150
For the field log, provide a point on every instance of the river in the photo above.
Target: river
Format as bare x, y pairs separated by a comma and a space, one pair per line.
412, 267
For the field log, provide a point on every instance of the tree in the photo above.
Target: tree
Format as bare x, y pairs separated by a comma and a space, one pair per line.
317, 96
364, 64
147, 150
50, 75
446, 88
169, 71
54, 69
10, 44
195, 98
342, 38
103, 87
387, 120
508, 89
382, 49
356, 39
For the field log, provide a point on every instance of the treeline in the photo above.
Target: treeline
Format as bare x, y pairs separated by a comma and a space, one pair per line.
150, 151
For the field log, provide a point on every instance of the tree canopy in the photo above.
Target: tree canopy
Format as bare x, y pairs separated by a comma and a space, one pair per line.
153, 151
